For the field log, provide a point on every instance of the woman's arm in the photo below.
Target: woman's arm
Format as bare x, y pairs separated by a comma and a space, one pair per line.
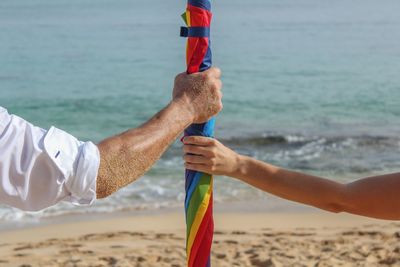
377, 197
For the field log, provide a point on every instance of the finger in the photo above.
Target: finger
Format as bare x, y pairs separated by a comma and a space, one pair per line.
197, 150
220, 95
218, 85
198, 140
194, 159
197, 167
220, 107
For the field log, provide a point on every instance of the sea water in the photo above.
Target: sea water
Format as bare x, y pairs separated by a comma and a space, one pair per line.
309, 85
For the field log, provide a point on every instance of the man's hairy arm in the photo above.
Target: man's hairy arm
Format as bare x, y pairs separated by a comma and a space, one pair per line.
127, 156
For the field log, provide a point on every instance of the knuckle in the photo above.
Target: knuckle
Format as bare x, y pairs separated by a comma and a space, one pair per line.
217, 70
179, 77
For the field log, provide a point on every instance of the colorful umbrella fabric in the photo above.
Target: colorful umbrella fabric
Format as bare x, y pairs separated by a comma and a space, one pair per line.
199, 186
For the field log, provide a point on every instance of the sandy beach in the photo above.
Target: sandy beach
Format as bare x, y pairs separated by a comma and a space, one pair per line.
241, 239
311, 86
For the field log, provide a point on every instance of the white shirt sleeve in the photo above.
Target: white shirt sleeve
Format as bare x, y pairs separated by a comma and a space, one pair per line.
40, 168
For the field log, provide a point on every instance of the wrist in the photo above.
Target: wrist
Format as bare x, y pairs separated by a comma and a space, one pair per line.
240, 166
185, 110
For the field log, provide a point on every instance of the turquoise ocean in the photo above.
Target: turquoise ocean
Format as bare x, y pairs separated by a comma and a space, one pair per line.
309, 85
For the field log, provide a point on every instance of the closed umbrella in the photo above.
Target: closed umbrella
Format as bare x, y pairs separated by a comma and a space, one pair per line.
199, 186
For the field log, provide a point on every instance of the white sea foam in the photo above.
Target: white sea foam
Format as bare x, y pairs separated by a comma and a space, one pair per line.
164, 186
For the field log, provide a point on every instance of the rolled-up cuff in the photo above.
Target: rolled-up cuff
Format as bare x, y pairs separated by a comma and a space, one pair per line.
78, 162
83, 185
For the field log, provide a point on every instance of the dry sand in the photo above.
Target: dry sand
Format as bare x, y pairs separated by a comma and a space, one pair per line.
241, 239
